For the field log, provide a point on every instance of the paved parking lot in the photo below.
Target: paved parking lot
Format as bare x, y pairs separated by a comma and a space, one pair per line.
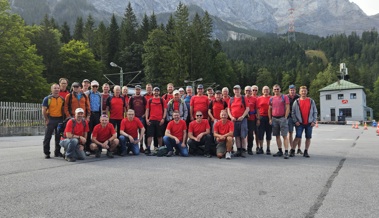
339, 180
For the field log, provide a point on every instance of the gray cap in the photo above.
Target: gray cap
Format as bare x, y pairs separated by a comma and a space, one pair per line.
86, 80
156, 88
137, 87
75, 84
237, 87
200, 86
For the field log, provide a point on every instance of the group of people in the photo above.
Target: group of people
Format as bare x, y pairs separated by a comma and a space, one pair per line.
207, 123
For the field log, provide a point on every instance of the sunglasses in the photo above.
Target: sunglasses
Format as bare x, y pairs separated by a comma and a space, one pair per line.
276, 89
199, 115
247, 90
76, 86
254, 90
95, 86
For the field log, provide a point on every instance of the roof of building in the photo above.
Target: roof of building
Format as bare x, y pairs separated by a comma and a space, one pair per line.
341, 85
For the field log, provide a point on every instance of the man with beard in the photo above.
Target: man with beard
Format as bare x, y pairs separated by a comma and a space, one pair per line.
104, 136
175, 134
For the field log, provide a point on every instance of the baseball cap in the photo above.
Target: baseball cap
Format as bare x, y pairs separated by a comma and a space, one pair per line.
86, 80
79, 110
200, 86
156, 88
218, 92
75, 84
237, 87
181, 90
94, 83
137, 87
209, 88
292, 86
175, 92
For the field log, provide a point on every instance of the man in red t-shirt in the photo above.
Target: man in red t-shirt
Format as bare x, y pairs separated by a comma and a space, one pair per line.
278, 111
304, 114
238, 109
75, 136
129, 133
225, 95
263, 121
254, 90
104, 136
199, 102
198, 135
116, 108
169, 95
215, 107
175, 134
223, 132
156, 111
251, 121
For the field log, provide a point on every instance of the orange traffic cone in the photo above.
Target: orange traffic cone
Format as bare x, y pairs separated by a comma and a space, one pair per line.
316, 124
356, 125
365, 128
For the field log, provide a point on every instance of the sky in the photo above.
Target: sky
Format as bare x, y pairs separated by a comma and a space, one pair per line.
370, 7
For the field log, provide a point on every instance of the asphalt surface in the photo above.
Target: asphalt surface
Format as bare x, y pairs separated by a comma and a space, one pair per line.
340, 179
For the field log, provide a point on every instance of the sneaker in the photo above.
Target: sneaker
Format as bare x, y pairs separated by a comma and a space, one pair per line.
242, 154
169, 154
207, 155
147, 151
278, 154
110, 154
268, 152
299, 151
286, 155
70, 159
306, 154
257, 150
98, 154
228, 156
47, 156
292, 153
88, 153
141, 150
122, 153
261, 150
250, 152
58, 154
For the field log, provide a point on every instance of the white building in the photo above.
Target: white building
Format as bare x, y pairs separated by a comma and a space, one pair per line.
344, 99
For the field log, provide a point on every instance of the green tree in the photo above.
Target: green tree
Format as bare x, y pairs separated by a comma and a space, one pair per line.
65, 33
89, 31
79, 62
144, 29
20, 67
153, 22
129, 26
325, 78
113, 41
78, 31
264, 78
100, 46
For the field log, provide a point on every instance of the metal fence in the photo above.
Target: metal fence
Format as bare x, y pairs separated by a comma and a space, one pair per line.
20, 118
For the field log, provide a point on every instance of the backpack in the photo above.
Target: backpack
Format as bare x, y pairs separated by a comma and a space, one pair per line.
242, 98
70, 102
131, 103
171, 102
162, 151
223, 102
162, 103
110, 99
62, 126
283, 100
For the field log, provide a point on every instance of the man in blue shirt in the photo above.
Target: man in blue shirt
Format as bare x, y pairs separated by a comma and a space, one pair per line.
94, 97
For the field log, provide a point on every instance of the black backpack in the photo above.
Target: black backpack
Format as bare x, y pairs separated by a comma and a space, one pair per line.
62, 126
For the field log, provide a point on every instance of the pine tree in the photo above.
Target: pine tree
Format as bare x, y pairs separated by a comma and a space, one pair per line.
113, 41
129, 25
65, 33
78, 31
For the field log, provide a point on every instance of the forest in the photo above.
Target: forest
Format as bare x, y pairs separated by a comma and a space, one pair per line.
34, 56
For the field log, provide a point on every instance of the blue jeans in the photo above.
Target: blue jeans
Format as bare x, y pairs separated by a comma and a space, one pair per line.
170, 144
125, 142
308, 131
71, 146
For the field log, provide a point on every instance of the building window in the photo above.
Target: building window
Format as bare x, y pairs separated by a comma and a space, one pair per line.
340, 96
345, 112
328, 97
353, 95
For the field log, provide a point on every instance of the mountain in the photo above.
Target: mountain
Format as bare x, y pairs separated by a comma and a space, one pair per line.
238, 17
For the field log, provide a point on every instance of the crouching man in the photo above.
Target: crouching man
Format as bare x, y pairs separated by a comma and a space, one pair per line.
223, 132
75, 137
198, 135
104, 136
129, 133
176, 131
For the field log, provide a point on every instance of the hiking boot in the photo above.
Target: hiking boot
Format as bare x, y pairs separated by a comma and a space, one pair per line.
58, 154
110, 154
278, 154
286, 155
98, 153
242, 153
257, 150
207, 155
228, 156
306, 154
299, 151
88, 153
147, 151
250, 151
261, 150
70, 159
292, 153
268, 152
169, 154
141, 150
47, 156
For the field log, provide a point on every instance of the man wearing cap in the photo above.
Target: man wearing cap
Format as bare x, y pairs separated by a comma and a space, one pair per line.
104, 136
129, 133
75, 136
52, 111
138, 103
263, 123
251, 120
63, 83
156, 111
116, 108
181, 92
176, 104
175, 134
215, 108
223, 132
279, 108
85, 85
199, 102
199, 134
292, 96
210, 94
238, 110
77, 99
